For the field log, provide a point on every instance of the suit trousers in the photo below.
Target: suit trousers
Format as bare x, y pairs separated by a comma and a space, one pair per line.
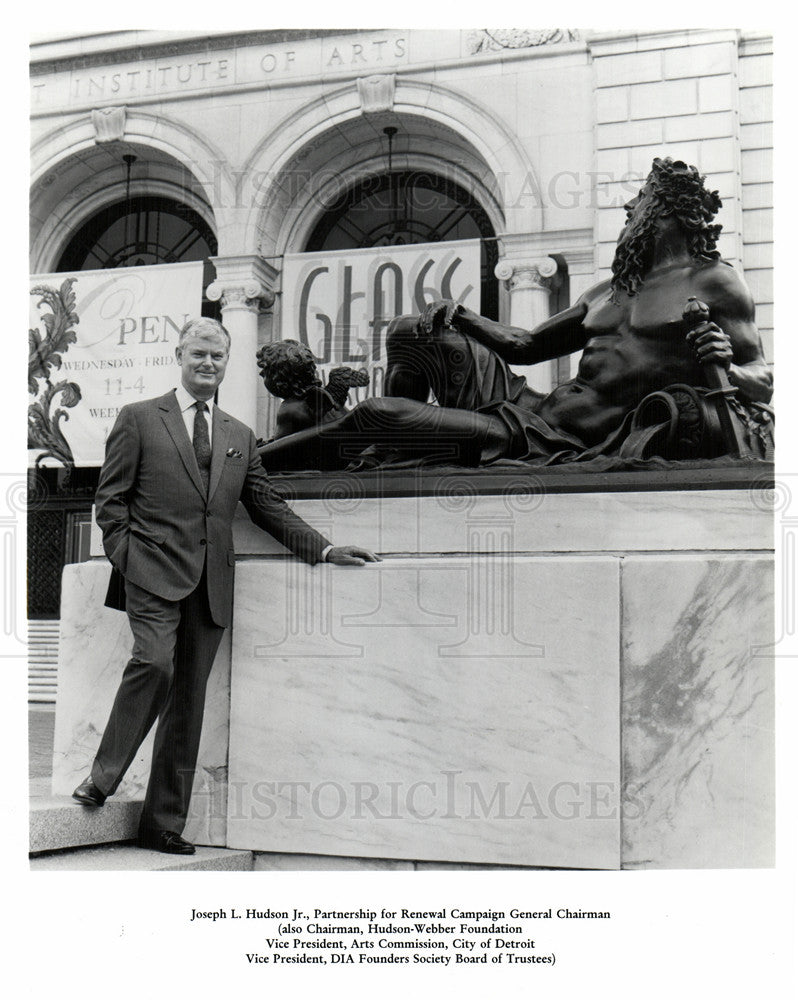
174, 645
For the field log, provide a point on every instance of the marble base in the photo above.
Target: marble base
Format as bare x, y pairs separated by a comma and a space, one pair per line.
451, 709
94, 646
698, 712
594, 697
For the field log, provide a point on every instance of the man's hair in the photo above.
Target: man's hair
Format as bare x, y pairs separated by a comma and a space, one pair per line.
202, 327
677, 190
288, 368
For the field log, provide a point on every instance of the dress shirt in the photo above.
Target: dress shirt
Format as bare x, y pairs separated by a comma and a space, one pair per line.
189, 411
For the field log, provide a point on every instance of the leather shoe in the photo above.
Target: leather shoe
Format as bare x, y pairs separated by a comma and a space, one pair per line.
88, 794
165, 841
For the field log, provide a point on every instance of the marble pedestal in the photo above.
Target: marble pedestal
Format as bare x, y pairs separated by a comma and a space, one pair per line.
698, 710
455, 709
575, 680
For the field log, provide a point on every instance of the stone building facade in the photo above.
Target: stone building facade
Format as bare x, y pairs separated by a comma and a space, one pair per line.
261, 134
245, 147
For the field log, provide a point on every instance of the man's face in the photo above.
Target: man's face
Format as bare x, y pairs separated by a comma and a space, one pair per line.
202, 360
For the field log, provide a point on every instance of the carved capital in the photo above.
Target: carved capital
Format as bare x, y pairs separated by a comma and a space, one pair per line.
376, 93
243, 282
525, 274
251, 296
109, 124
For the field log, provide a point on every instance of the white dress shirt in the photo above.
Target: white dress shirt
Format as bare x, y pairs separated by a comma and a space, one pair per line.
189, 411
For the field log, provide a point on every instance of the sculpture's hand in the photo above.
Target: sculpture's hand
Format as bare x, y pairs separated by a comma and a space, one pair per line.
351, 555
348, 376
437, 315
341, 380
711, 345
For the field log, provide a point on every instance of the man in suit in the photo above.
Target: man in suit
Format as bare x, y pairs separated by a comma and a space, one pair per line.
175, 469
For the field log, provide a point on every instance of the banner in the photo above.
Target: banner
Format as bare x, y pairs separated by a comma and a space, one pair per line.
339, 303
99, 340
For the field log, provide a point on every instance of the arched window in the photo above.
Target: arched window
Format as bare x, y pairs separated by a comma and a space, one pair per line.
141, 230
410, 207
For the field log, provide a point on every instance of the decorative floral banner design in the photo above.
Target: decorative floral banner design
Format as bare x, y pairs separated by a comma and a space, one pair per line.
98, 340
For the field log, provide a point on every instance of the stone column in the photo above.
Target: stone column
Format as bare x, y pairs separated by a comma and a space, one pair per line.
530, 283
244, 285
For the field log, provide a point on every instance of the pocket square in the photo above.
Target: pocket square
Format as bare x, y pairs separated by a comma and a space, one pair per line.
233, 453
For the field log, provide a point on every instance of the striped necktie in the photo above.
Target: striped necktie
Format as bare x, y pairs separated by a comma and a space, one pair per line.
202, 443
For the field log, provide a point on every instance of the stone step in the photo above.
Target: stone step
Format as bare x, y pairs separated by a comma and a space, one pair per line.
58, 823
126, 857
47, 629
43, 639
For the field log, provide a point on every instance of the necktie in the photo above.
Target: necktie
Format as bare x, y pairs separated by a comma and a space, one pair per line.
202, 443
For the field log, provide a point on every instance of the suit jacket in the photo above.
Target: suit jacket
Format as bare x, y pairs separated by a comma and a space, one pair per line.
160, 528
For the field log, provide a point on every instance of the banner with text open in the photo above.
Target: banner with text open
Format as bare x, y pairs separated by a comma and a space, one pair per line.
99, 340
339, 303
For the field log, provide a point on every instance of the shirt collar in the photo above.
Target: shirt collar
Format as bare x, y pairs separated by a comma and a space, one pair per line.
185, 400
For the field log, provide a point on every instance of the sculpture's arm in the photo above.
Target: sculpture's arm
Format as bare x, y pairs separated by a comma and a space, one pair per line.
739, 346
553, 338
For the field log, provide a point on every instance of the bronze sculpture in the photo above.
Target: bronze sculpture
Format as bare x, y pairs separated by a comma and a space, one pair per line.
288, 370
672, 315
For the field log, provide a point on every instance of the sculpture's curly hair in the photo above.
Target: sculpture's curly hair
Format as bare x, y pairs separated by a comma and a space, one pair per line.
287, 368
678, 190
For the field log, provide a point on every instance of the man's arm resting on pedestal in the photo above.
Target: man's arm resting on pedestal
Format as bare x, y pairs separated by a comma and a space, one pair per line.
269, 511
349, 555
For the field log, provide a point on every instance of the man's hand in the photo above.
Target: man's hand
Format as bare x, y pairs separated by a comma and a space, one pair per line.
351, 555
436, 316
711, 345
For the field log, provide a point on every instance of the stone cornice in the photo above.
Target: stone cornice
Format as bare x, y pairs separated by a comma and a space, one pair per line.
103, 51
575, 245
756, 43
152, 79
167, 49
630, 40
